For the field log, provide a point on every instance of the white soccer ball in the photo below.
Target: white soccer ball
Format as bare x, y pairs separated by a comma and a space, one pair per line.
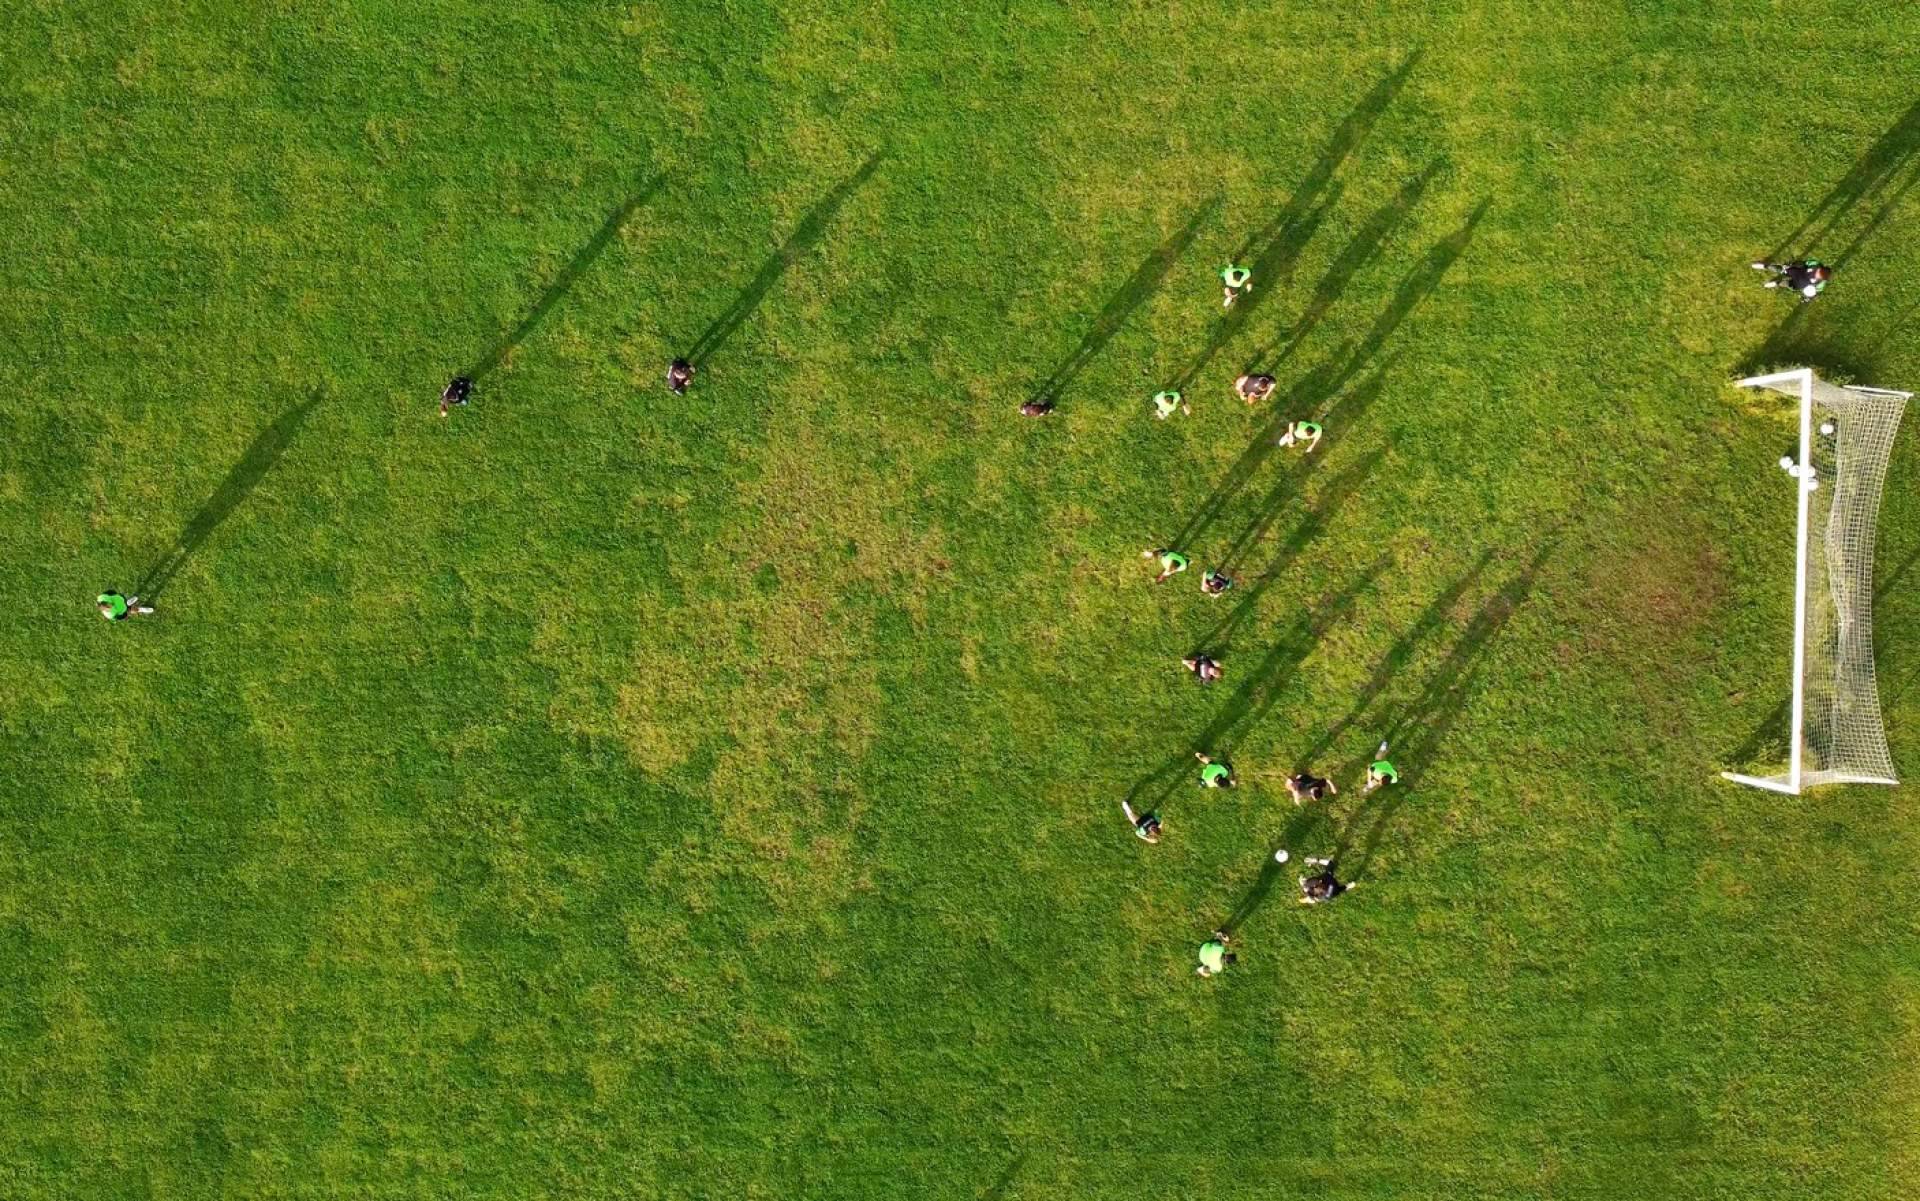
1812, 484
1786, 464
1280, 856
1826, 427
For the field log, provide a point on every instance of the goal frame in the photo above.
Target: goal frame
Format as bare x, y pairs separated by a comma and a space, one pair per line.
1804, 377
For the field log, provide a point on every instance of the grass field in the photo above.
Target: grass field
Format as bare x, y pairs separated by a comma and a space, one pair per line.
602, 794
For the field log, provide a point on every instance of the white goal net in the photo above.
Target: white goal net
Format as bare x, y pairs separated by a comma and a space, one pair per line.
1835, 733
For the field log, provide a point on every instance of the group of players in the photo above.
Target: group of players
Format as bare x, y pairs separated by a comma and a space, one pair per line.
1215, 772
1807, 278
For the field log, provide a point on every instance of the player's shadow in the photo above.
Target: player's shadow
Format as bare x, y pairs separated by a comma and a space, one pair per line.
1414, 288
1879, 181
1288, 483
1807, 337
1273, 873
563, 283
1420, 730
1347, 136
1272, 264
998, 1189
1218, 639
1418, 284
804, 237
1397, 657
244, 476
1144, 282
1260, 690
1273, 250
1362, 249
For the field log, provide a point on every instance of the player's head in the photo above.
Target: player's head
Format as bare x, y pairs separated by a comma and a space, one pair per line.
1823, 273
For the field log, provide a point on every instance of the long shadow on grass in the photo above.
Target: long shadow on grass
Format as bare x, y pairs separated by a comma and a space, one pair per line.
1397, 656
244, 476
1144, 282
1420, 729
1363, 249
803, 239
1807, 337
998, 1189
1274, 249
1320, 387
1298, 827
1418, 284
1218, 639
1259, 692
1287, 483
1875, 180
563, 283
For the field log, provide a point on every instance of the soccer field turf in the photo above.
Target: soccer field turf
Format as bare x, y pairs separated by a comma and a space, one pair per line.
608, 794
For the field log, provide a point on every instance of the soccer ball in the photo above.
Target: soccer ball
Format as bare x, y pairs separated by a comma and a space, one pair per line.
1280, 856
1786, 464
1826, 427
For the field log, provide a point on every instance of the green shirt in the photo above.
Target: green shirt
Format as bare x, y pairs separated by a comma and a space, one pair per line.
1235, 277
1166, 402
1173, 560
1213, 954
1306, 429
1386, 771
1214, 773
116, 605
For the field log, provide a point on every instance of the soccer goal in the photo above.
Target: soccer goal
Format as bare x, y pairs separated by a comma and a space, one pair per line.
1846, 437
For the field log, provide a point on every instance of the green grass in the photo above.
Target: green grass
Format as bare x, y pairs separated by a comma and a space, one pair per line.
606, 794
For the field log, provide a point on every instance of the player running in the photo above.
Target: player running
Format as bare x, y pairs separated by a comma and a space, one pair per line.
1172, 563
1381, 772
455, 393
1205, 668
1164, 403
1214, 956
1301, 432
1308, 787
1237, 281
679, 375
1254, 388
1213, 773
1808, 277
1146, 826
1323, 887
115, 607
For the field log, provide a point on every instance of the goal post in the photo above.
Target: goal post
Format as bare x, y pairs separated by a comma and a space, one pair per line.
1835, 731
